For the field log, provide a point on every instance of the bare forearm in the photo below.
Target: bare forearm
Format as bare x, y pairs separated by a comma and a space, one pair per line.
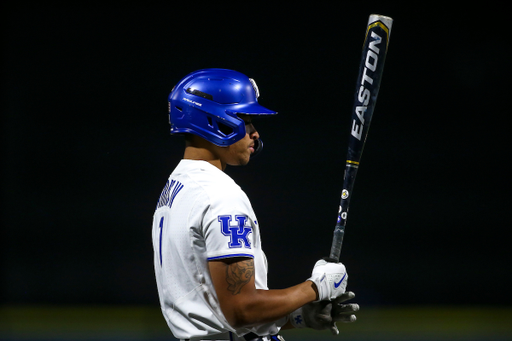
244, 305
271, 305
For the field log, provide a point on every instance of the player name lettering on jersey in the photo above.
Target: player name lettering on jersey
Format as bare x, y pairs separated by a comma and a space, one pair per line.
169, 193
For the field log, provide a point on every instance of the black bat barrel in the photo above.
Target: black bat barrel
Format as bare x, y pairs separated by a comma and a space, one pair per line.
367, 88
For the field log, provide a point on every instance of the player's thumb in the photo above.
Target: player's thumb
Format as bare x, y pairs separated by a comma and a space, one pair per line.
334, 329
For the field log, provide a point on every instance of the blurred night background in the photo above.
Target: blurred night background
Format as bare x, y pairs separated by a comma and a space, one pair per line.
86, 148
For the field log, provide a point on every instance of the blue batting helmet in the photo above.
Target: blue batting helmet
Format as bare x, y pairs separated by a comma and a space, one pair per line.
206, 103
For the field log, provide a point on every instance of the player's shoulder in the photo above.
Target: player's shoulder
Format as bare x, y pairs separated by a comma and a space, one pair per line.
208, 178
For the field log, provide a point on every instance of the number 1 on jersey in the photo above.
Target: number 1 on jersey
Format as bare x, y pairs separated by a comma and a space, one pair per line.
161, 225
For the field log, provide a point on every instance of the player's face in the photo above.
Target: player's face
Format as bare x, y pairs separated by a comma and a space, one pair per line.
239, 153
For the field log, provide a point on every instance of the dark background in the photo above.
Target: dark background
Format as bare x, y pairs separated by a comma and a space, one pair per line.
86, 147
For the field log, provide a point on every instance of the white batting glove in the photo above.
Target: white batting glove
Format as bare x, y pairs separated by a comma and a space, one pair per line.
324, 315
330, 279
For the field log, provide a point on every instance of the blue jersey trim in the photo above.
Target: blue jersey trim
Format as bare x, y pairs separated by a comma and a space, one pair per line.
231, 256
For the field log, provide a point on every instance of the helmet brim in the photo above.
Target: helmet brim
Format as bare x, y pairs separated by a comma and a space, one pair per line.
250, 109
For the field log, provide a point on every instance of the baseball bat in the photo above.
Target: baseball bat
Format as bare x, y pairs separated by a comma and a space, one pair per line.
375, 48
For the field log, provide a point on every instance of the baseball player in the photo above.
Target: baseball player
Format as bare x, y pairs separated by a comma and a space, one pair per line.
211, 271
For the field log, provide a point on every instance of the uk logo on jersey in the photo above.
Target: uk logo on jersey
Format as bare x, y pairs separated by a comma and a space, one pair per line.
238, 232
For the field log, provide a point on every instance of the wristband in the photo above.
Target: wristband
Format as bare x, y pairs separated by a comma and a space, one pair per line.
297, 319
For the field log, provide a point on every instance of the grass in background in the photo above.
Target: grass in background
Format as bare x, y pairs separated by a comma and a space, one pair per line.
42, 323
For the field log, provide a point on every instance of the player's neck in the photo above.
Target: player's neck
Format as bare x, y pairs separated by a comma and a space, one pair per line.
204, 154
197, 148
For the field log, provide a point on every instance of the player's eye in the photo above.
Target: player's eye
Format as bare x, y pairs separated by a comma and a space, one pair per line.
246, 118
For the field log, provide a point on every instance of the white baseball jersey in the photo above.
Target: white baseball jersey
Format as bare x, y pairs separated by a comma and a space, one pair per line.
202, 215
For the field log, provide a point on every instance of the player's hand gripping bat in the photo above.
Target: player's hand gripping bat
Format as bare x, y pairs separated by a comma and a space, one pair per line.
375, 48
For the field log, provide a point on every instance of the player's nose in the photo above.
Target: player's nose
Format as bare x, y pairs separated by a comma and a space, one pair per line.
253, 133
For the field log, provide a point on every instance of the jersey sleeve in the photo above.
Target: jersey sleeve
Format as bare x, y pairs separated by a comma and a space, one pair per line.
229, 226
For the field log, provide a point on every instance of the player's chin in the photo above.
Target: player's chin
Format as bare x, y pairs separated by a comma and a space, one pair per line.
244, 161
241, 160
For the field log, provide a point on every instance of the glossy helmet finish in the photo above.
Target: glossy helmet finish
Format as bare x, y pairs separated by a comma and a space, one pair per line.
206, 103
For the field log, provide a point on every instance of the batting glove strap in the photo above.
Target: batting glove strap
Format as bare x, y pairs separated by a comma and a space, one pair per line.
322, 290
297, 319
330, 279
